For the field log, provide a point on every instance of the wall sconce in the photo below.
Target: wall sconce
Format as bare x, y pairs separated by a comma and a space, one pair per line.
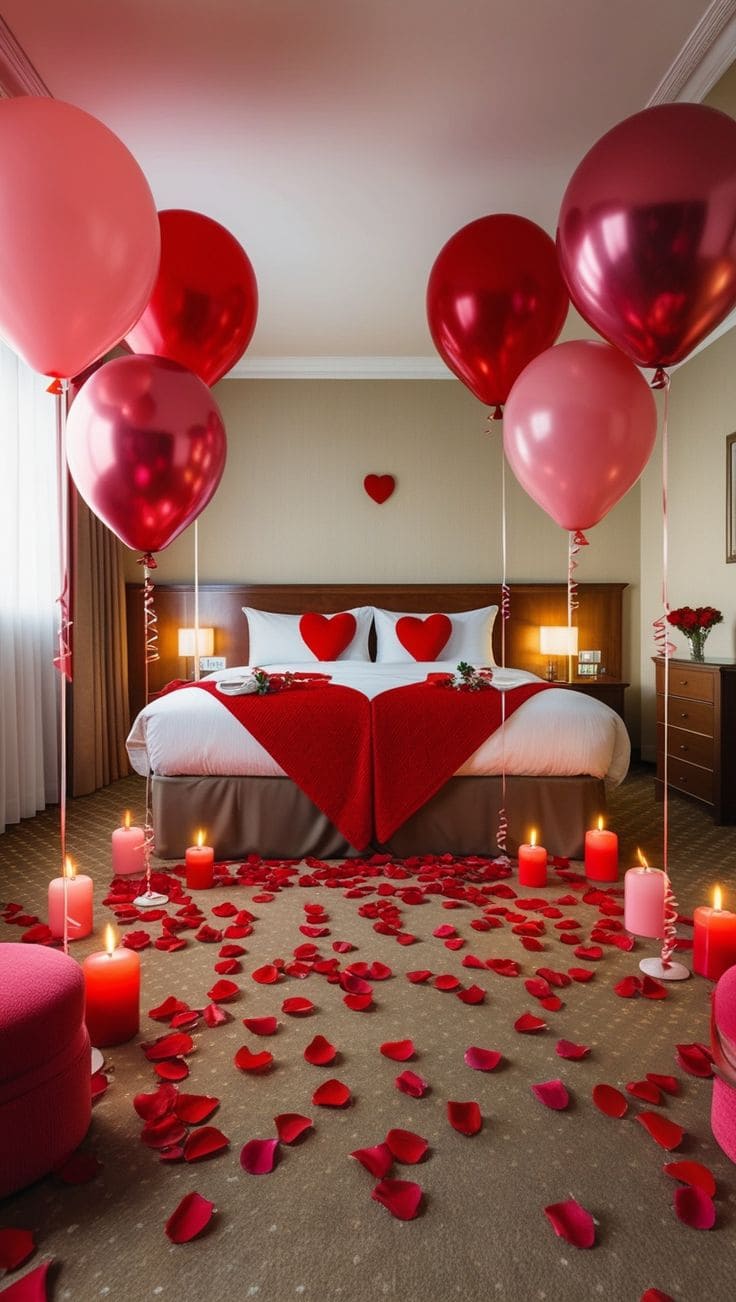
203, 646
557, 640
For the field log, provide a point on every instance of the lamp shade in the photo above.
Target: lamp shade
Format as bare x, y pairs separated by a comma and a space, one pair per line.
203, 647
558, 640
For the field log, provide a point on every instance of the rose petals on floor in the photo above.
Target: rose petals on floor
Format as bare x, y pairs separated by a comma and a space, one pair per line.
190, 1218
16, 1246
204, 1142
378, 1160
291, 1126
610, 1101
410, 1082
333, 1094
399, 1050
406, 1146
482, 1059
258, 1156
692, 1173
553, 1094
695, 1208
572, 1222
574, 1052
664, 1132
466, 1118
402, 1197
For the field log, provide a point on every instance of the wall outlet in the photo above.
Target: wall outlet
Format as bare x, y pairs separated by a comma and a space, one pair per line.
212, 662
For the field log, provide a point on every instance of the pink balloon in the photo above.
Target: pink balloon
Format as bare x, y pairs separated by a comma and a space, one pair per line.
79, 235
146, 448
647, 231
579, 428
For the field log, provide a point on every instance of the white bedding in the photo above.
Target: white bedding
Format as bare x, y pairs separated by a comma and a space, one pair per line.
556, 733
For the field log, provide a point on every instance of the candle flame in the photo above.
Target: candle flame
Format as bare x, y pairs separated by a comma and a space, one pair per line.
126, 818
533, 836
717, 898
69, 870
110, 938
200, 837
600, 822
641, 859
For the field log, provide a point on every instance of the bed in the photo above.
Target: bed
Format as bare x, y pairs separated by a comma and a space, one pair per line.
560, 751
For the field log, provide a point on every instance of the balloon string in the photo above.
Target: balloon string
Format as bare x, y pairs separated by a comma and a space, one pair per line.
196, 601
576, 540
503, 823
148, 834
63, 660
666, 649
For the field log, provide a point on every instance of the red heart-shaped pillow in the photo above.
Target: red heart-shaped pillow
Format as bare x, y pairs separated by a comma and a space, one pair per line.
379, 487
424, 638
327, 635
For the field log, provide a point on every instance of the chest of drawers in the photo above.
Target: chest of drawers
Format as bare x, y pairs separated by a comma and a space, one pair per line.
701, 732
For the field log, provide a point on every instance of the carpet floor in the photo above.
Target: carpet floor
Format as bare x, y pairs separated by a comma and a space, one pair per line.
310, 1229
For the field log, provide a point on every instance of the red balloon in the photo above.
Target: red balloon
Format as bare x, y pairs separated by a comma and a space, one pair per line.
495, 299
146, 448
203, 309
578, 429
647, 231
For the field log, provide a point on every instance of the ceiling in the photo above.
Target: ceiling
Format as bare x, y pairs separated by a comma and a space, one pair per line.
343, 141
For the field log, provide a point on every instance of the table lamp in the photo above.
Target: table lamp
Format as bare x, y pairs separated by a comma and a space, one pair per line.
191, 647
557, 640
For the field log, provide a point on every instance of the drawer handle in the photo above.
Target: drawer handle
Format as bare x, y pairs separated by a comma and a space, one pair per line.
684, 715
683, 780
684, 747
683, 682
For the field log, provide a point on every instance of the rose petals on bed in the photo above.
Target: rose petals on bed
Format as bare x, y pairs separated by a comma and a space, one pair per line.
223, 992
528, 1024
695, 1059
319, 1052
204, 1142
553, 1094
377, 1160
398, 1050
256, 1062
466, 1118
695, 1208
291, 1125
401, 1197
16, 1246
259, 1156
482, 1059
610, 1101
692, 1173
572, 1223
332, 1094
406, 1146
195, 1108
664, 1132
409, 1082
189, 1219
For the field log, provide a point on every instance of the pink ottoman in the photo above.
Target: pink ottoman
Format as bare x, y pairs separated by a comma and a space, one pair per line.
45, 1098
723, 1037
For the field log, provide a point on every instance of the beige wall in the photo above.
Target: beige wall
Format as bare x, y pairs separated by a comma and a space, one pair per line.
291, 506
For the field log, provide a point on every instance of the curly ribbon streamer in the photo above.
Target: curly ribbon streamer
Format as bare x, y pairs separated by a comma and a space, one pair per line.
670, 922
576, 540
151, 654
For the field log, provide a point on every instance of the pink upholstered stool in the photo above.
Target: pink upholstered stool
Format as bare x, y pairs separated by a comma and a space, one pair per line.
45, 1098
723, 1105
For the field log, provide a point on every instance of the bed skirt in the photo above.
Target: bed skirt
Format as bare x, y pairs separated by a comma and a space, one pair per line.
272, 817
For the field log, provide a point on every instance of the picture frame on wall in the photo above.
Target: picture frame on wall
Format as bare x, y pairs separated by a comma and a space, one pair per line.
731, 497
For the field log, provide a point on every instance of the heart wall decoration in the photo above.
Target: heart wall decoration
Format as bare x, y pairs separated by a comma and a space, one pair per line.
379, 487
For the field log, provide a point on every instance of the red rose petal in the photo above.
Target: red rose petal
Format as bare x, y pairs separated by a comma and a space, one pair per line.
215, 1016
320, 1052
296, 1007
290, 1125
466, 1118
155, 1105
401, 1197
169, 944
332, 1094
670, 1084
411, 1083
261, 1025
169, 1046
247, 1061
628, 988
258, 1156
532, 944
663, 1131
692, 1173
656, 1295
136, 940
527, 1024
225, 910
165, 1011
204, 1142
223, 992
418, 977
208, 935
507, 967
406, 1146
473, 995
379, 972
610, 1101
652, 989
195, 1108
98, 1083
358, 1003
172, 1069
482, 1059
538, 987
552, 1094
572, 1223
581, 973
31, 1287
591, 952
189, 1219
446, 982
694, 1059
228, 966
552, 1003
184, 1021
16, 1246
163, 1132
645, 1090
378, 1160
80, 1168
342, 946
399, 1050
695, 1208
266, 975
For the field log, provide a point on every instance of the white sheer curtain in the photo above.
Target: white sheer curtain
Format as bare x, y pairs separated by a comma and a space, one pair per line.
29, 585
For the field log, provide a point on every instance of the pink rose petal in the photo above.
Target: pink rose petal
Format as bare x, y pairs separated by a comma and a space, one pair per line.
401, 1197
464, 1117
572, 1222
482, 1059
552, 1094
399, 1050
190, 1218
290, 1125
409, 1082
406, 1146
695, 1208
332, 1094
568, 1049
378, 1160
258, 1156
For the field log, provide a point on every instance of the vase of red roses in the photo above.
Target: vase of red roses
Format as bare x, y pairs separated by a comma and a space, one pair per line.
696, 625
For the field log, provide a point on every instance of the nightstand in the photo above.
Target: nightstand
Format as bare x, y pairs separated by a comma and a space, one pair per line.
701, 732
609, 690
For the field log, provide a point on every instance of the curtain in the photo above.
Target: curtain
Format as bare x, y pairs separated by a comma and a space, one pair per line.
29, 585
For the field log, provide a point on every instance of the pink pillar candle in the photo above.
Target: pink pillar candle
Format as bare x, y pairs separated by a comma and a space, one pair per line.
601, 854
644, 892
714, 940
532, 863
199, 862
127, 849
113, 987
74, 891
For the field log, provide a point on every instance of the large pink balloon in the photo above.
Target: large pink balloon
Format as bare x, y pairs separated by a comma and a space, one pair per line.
647, 231
579, 428
146, 448
79, 235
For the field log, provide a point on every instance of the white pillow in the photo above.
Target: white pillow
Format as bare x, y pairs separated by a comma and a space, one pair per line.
471, 638
277, 640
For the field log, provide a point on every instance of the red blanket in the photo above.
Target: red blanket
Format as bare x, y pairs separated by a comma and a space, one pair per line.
320, 735
421, 735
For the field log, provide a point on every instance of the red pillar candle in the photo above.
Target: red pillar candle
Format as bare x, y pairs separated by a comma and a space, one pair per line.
714, 939
601, 854
127, 849
199, 862
532, 863
112, 987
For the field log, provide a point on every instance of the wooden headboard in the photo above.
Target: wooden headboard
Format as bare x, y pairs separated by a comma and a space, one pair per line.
599, 617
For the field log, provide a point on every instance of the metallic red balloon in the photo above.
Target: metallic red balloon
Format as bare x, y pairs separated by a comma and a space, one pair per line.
203, 309
647, 231
146, 448
495, 299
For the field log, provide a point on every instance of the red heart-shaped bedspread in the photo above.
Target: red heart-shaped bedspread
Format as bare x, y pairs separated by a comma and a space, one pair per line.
379, 487
424, 638
327, 635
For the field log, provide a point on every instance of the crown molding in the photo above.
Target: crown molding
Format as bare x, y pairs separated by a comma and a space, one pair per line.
707, 53
340, 368
17, 74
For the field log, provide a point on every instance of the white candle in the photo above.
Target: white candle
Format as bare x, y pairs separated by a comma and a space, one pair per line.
127, 849
74, 892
